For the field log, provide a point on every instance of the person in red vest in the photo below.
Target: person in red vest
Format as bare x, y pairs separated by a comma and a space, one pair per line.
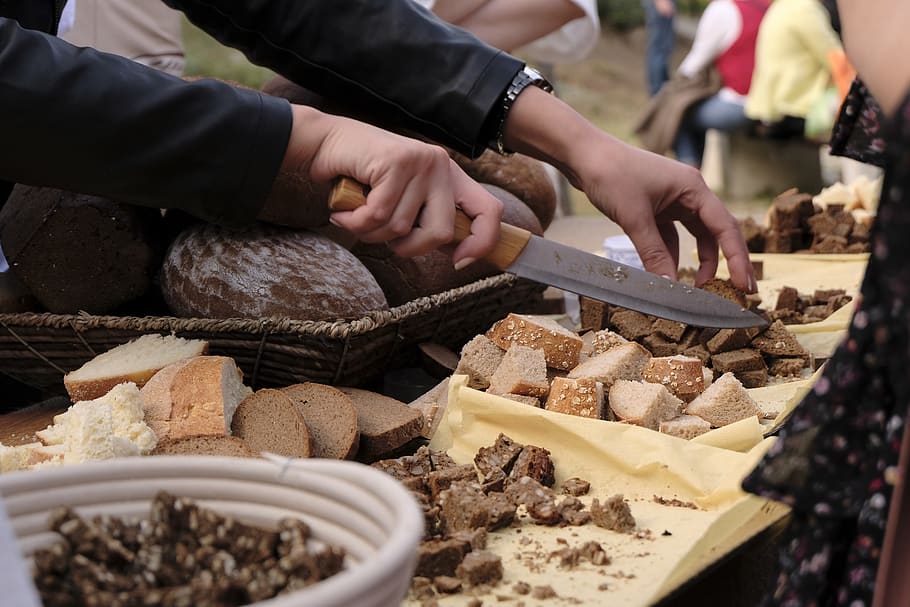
725, 39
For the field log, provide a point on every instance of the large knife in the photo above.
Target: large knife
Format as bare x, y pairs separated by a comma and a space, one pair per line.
521, 253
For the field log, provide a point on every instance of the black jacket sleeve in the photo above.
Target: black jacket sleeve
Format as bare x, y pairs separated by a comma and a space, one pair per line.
81, 120
392, 55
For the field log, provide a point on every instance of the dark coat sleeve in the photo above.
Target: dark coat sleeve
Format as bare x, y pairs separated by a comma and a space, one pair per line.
392, 57
81, 120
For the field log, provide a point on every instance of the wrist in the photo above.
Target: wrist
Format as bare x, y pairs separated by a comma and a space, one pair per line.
527, 78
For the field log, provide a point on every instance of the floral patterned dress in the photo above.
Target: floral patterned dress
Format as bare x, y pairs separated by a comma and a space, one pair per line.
835, 459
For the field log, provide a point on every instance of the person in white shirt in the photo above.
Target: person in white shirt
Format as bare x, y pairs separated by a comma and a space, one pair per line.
724, 40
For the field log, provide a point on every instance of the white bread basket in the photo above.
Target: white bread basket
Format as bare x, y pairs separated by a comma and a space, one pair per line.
349, 505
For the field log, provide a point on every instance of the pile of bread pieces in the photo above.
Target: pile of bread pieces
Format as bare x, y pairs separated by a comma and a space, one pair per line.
611, 374
837, 220
163, 394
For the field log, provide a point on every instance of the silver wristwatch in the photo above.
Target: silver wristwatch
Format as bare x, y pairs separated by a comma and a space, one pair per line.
528, 76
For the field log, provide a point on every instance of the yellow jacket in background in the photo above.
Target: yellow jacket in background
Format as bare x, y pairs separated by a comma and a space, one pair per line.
792, 67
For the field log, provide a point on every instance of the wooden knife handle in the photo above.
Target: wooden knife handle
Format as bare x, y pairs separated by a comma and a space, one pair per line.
348, 194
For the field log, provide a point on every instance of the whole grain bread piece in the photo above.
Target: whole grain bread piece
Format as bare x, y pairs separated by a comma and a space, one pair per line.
725, 289
385, 424
735, 361
432, 406
479, 359
560, 346
682, 375
523, 370
786, 367
685, 426
624, 361
723, 402
209, 444
777, 340
268, 420
135, 361
194, 396
603, 340
631, 324
583, 397
643, 403
331, 417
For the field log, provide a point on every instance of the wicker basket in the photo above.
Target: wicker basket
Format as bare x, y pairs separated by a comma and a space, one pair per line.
38, 349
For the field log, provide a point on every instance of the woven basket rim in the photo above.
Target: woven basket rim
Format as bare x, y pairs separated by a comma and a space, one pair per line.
335, 329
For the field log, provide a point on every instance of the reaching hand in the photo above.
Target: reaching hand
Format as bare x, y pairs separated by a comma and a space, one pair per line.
414, 187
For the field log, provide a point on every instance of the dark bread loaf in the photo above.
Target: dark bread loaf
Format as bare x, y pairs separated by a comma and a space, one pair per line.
405, 279
264, 271
78, 252
523, 176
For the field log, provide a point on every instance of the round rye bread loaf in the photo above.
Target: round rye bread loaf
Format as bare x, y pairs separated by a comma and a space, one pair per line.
78, 252
266, 271
405, 279
523, 176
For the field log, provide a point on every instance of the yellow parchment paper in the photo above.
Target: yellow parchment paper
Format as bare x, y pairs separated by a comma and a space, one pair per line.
674, 543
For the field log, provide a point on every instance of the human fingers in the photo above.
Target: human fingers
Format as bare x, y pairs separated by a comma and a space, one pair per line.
713, 226
435, 223
485, 211
649, 241
670, 237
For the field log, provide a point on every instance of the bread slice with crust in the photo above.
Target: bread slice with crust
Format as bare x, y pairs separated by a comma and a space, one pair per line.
331, 417
386, 424
268, 420
195, 396
210, 444
724, 402
135, 361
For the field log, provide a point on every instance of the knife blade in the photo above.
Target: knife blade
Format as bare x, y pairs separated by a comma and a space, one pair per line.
529, 256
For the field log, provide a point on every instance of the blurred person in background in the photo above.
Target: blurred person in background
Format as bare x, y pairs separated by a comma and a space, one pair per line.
147, 31
545, 31
725, 40
659, 17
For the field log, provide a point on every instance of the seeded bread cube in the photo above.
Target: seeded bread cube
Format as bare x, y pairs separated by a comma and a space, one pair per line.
560, 346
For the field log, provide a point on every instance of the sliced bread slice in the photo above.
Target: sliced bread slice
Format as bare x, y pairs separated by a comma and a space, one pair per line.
622, 361
643, 403
479, 359
583, 397
685, 426
523, 370
560, 345
386, 424
331, 416
268, 420
207, 444
723, 402
136, 361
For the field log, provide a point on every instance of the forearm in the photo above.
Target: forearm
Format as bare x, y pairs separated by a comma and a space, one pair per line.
874, 33
85, 121
419, 72
510, 24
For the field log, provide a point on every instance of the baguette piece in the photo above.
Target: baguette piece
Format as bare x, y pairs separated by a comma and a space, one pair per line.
268, 420
136, 361
194, 396
331, 417
208, 444
560, 346
385, 424
643, 403
724, 402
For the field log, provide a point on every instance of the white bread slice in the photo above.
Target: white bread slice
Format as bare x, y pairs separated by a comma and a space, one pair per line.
523, 370
16, 457
193, 397
723, 402
621, 361
136, 361
685, 426
643, 403
479, 359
